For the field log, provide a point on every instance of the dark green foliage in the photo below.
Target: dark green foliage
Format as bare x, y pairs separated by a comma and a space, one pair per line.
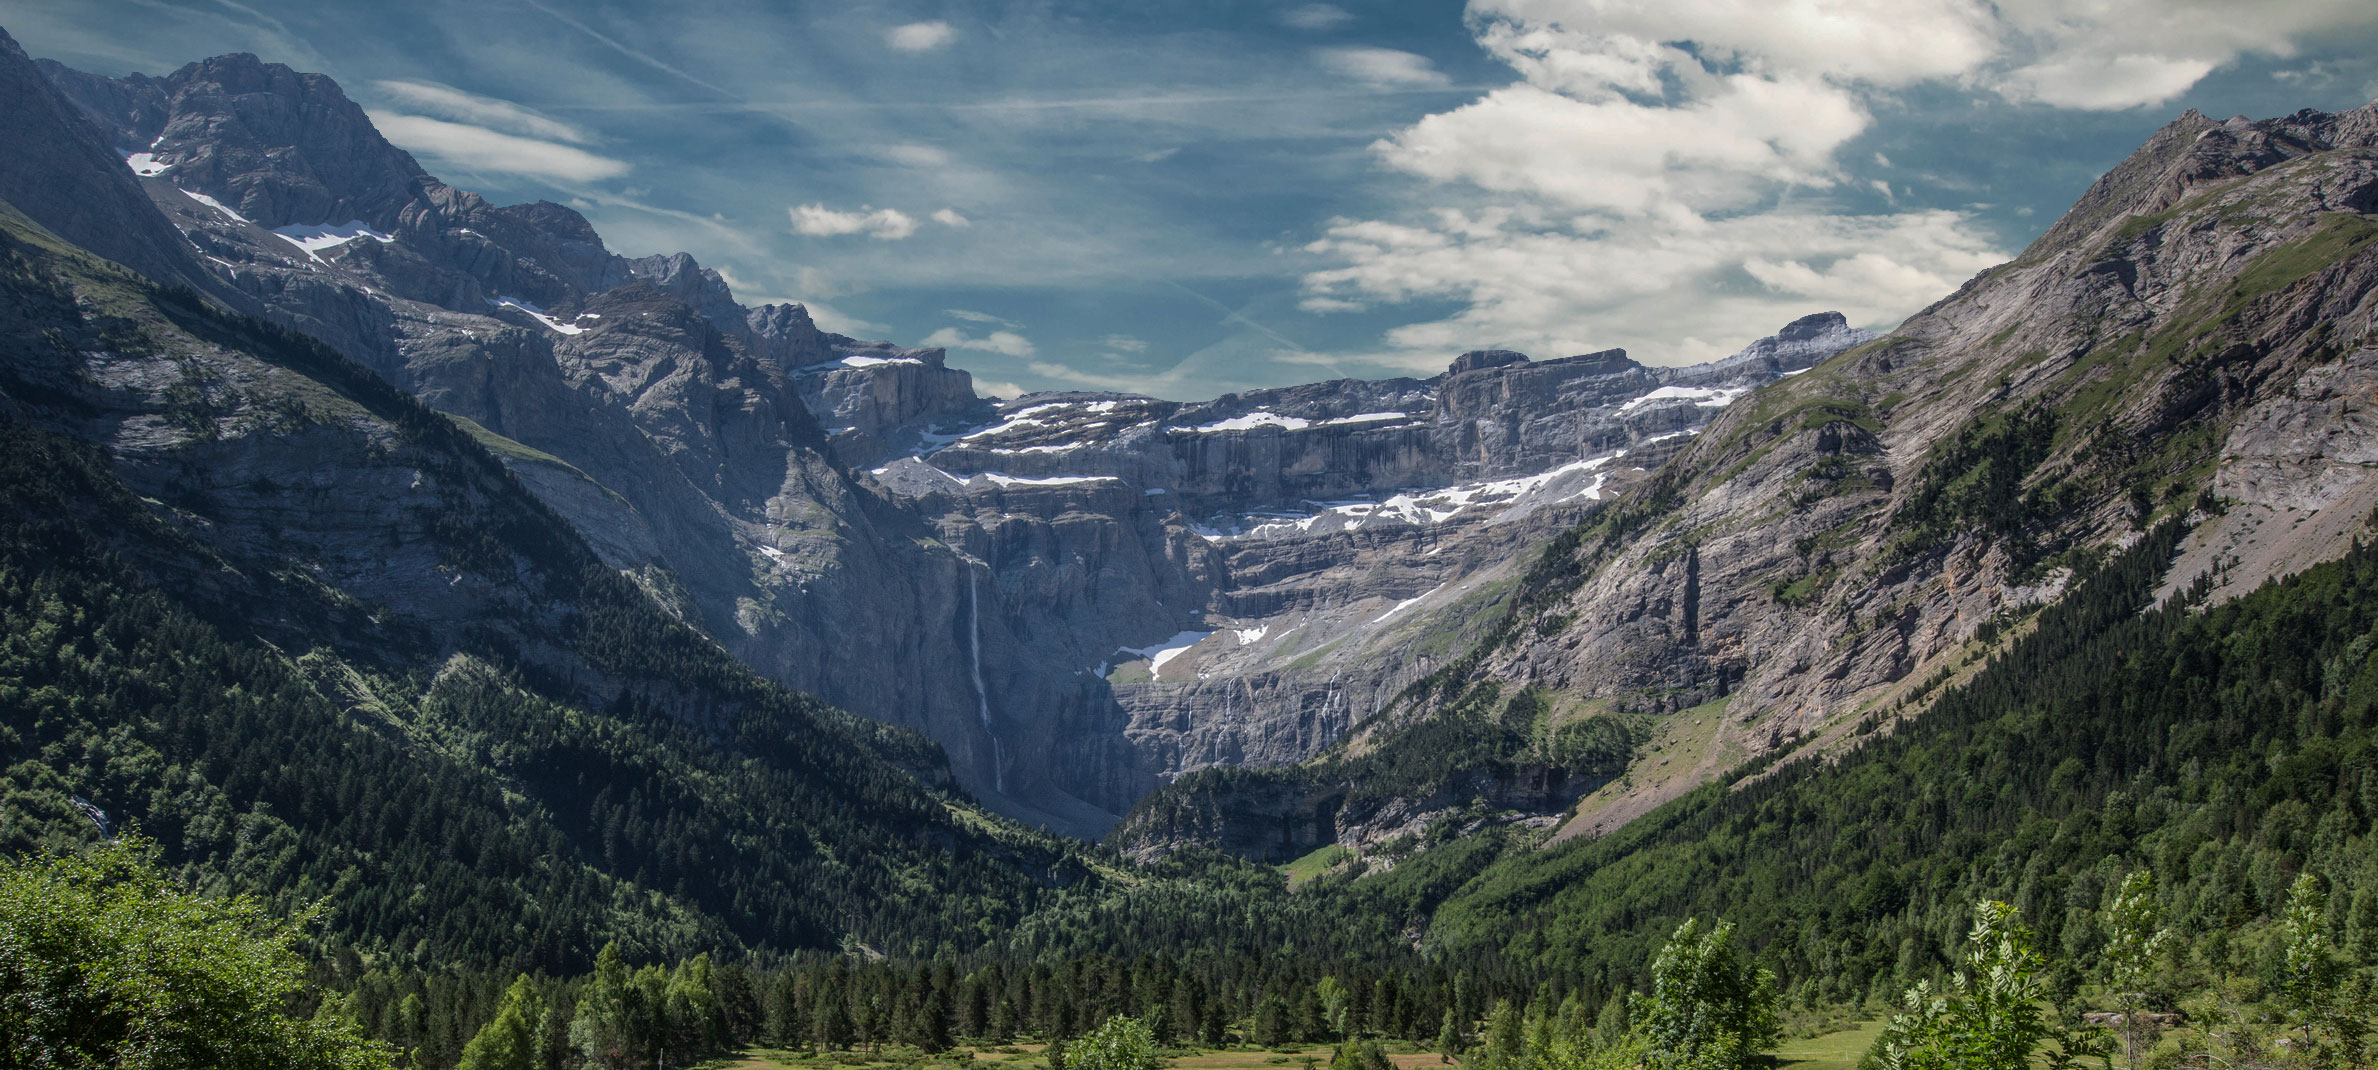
1708, 1008
453, 794
478, 822
105, 962
1974, 483
1480, 739
2229, 748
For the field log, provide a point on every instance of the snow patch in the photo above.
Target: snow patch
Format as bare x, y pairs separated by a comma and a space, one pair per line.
540, 315
315, 237
1592, 491
214, 204
1254, 420
1707, 397
1013, 423
1418, 508
857, 361
1165, 651
145, 164
1005, 480
1250, 635
1364, 418
1405, 604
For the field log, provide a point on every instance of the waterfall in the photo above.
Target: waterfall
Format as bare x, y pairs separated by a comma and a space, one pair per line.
982, 695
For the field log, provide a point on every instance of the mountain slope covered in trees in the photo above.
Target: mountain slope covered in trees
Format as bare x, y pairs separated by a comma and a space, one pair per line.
474, 740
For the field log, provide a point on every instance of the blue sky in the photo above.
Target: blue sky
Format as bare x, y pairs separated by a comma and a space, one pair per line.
1192, 197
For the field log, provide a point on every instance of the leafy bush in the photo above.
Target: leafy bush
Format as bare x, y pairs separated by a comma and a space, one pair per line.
104, 962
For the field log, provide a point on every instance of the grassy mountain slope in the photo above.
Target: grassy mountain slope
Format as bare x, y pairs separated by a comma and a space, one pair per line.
2195, 338
2228, 748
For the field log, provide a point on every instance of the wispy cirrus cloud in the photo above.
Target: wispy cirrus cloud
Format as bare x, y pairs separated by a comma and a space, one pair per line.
447, 102
478, 149
1381, 66
1316, 17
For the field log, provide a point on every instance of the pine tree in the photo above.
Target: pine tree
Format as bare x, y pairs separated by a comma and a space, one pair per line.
604, 1029
1272, 1026
1613, 1023
511, 1040
1216, 1027
694, 1022
785, 1025
932, 1028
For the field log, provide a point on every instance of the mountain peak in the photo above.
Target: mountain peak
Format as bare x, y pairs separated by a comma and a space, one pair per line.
82, 192
277, 145
2193, 151
1481, 359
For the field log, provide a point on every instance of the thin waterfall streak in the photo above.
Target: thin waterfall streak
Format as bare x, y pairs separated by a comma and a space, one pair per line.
982, 695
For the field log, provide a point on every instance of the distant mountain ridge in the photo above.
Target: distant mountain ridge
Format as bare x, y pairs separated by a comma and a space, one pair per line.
761, 477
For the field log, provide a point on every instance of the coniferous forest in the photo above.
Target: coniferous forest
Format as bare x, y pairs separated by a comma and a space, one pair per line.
2167, 806
330, 739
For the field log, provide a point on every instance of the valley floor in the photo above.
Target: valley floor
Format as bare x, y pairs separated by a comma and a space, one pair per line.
1831, 1051
1028, 1057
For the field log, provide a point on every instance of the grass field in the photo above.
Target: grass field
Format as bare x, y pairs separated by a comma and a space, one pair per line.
1315, 863
1027, 1057
1832, 1051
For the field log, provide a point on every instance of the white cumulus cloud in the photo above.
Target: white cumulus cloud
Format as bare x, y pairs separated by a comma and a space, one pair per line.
1674, 167
882, 224
1668, 295
1007, 342
921, 36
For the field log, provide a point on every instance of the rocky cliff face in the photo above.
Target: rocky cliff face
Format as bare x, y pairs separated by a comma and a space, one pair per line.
2189, 342
1080, 596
